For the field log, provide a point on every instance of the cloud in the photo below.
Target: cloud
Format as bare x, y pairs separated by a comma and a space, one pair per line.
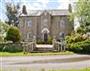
43, 2
31, 6
38, 4
46, 4
8, 1
63, 5
64, 1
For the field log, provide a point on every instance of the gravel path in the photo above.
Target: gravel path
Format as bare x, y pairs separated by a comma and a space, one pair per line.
46, 62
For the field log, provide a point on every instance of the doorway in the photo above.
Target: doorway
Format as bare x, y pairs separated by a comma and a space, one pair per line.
45, 37
45, 33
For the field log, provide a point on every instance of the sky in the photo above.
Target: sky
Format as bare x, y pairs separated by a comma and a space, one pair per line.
35, 5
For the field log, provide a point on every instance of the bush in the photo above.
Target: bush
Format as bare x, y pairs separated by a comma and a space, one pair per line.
74, 38
78, 43
3, 29
11, 47
80, 30
49, 41
40, 42
13, 34
80, 47
1, 39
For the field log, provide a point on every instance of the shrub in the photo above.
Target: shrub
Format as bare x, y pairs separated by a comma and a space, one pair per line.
1, 39
74, 38
80, 30
11, 47
13, 34
3, 29
49, 41
80, 47
40, 42
78, 43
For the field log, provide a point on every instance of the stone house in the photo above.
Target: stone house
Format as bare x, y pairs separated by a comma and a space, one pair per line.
44, 23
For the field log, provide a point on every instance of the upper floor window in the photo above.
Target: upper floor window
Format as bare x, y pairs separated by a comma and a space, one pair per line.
62, 23
45, 21
29, 23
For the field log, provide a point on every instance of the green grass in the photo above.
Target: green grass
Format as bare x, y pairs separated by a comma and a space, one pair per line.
25, 69
35, 54
85, 69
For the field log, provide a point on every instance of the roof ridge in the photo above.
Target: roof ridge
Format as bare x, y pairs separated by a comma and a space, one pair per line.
53, 12
50, 10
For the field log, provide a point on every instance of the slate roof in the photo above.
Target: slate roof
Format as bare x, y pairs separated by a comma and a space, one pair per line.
51, 12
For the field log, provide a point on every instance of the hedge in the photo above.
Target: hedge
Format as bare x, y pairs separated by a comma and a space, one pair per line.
11, 47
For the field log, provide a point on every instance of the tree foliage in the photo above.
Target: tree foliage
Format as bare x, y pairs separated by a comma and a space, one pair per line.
82, 12
3, 29
12, 13
13, 34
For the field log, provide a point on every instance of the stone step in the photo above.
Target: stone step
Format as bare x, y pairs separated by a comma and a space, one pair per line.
44, 48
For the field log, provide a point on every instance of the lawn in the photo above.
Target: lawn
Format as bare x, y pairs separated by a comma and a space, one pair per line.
25, 69
85, 69
35, 54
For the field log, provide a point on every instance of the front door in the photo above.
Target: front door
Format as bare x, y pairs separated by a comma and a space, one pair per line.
45, 37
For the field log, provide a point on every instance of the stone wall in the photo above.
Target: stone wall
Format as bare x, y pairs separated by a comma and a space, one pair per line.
55, 25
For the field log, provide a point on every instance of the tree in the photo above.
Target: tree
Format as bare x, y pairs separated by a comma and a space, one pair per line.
13, 34
83, 14
12, 13
3, 29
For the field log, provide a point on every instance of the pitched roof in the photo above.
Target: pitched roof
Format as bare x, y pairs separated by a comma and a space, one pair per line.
52, 12
58, 12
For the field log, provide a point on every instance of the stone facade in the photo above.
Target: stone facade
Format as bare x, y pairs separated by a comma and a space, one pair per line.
44, 23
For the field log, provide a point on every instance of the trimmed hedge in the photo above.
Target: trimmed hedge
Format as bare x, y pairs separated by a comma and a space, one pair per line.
11, 47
